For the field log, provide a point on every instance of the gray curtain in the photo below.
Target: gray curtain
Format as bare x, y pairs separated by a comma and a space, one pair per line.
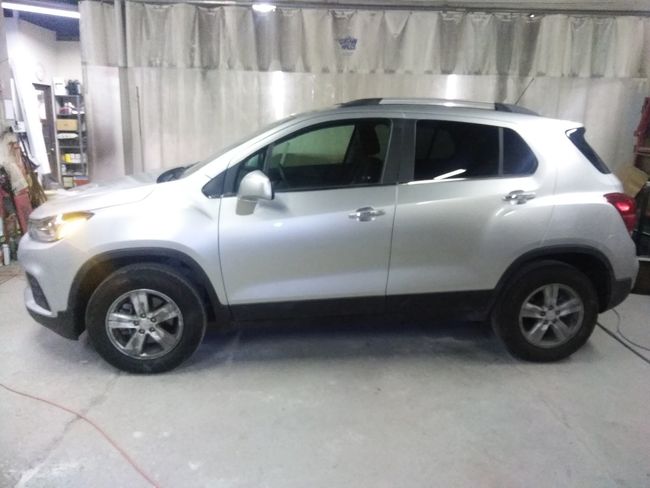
168, 84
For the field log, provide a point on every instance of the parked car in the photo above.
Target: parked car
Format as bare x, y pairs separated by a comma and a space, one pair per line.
442, 209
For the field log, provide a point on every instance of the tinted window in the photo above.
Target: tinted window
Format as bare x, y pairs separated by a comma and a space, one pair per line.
455, 150
446, 150
577, 136
518, 159
332, 155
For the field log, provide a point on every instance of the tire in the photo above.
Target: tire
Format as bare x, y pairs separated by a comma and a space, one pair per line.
534, 329
145, 318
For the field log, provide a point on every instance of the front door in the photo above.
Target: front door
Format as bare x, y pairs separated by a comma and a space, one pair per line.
324, 239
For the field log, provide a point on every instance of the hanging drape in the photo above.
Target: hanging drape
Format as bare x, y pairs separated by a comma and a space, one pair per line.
168, 84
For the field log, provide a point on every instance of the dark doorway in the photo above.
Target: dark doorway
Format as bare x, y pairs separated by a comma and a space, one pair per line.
46, 114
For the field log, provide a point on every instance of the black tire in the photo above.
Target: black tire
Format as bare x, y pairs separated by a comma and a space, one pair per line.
506, 315
188, 326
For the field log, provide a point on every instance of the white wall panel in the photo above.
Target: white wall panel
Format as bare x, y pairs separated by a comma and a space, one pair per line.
197, 77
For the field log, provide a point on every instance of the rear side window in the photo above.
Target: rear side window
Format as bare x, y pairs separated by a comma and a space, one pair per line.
577, 136
455, 150
445, 150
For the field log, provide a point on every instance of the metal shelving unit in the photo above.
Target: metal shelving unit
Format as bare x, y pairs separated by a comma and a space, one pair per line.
71, 140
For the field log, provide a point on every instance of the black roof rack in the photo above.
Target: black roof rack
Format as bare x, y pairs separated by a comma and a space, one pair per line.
361, 102
499, 107
512, 108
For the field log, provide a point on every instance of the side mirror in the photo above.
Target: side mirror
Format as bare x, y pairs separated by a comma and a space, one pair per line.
255, 186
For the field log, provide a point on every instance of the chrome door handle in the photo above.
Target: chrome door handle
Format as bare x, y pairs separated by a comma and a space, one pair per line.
518, 197
366, 214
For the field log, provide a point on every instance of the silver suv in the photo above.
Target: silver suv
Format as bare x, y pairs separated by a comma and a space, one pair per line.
430, 208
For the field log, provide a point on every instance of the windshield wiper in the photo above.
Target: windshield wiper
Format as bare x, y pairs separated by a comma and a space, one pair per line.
171, 174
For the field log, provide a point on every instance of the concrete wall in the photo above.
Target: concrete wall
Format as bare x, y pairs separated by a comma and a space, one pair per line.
68, 60
39, 55
5, 73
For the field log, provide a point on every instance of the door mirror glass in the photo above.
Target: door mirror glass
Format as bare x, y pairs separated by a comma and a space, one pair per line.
255, 186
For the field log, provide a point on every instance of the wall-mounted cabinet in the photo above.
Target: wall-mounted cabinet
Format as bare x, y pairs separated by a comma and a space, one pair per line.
72, 140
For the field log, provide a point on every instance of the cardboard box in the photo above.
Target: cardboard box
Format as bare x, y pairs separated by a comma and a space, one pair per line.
633, 179
66, 124
643, 162
81, 180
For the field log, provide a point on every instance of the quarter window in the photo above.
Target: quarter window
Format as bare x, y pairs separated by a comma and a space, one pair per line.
518, 159
445, 150
577, 136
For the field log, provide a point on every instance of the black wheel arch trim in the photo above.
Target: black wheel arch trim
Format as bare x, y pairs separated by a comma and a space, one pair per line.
609, 299
221, 312
615, 293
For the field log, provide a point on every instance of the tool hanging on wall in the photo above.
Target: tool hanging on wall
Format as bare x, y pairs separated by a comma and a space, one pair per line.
10, 223
20, 190
20, 150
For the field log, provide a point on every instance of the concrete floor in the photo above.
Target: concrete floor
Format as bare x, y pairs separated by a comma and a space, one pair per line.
352, 407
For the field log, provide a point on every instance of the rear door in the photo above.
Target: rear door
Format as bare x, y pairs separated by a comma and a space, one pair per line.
325, 237
473, 197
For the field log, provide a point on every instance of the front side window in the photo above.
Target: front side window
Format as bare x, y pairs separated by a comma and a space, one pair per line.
331, 155
445, 150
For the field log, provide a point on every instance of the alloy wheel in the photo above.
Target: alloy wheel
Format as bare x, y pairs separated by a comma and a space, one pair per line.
551, 315
144, 324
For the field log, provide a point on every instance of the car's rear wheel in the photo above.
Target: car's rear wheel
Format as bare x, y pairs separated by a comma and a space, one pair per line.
145, 318
547, 312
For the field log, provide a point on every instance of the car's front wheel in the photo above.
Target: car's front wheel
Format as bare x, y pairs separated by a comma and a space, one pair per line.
547, 313
145, 318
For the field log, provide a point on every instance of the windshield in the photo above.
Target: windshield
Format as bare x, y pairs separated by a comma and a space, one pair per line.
197, 166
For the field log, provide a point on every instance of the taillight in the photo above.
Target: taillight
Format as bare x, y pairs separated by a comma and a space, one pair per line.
626, 206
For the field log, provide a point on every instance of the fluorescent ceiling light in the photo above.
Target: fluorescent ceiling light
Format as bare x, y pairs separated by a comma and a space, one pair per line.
21, 7
263, 8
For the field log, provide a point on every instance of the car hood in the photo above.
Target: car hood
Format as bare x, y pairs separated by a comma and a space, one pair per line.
93, 196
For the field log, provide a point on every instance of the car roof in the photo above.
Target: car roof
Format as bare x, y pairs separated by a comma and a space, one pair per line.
495, 111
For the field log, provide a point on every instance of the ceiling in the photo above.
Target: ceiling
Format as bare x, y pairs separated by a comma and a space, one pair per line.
635, 7
593, 6
66, 29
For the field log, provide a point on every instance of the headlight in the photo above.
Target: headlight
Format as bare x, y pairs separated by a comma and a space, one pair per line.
57, 227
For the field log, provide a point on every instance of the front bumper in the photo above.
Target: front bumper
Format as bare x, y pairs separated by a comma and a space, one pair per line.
62, 323
53, 266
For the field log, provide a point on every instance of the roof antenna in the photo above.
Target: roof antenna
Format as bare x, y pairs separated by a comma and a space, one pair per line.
525, 90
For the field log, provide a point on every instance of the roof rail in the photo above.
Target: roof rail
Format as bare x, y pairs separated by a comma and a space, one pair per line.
512, 108
361, 102
499, 107
437, 101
